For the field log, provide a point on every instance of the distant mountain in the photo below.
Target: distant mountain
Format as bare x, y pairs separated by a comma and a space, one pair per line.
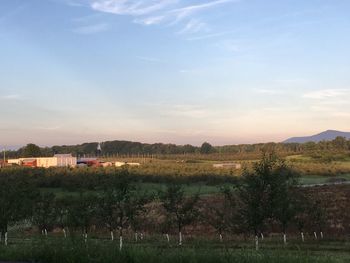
323, 136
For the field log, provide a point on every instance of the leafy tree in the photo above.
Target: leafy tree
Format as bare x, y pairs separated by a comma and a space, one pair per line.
120, 206
81, 212
136, 211
283, 201
264, 193
206, 148
302, 205
340, 143
44, 212
222, 215
31, 150
318, 217
17, 194
179, 209
62, 211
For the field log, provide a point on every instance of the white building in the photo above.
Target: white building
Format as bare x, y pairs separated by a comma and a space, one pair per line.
120, 164
236, 166
58, 160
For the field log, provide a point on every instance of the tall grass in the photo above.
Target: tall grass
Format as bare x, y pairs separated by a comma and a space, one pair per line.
76, 251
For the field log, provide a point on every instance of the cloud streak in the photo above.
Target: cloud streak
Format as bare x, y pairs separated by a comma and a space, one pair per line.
130, 7
156, 12
326, 94
330, 102
10, 97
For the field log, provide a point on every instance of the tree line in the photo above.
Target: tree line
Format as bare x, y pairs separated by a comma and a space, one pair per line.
268, 194
116, 148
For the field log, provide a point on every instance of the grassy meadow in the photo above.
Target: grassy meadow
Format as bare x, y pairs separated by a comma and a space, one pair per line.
197, 175
52, 250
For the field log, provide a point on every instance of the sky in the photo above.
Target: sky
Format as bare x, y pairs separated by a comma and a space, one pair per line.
172, 71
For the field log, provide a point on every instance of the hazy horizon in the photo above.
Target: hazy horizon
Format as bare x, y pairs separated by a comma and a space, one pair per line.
172, 71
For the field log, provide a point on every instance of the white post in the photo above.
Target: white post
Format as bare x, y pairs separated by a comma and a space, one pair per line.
112, 235
302, 237
262, 236
180, 238
321, 233
5, 238
256, 243
120, 243
315, 235
86, 237
221, 239
64, 233
285, 239
167, 237
45, 232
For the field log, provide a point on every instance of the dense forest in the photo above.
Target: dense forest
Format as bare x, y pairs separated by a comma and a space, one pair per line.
113, 148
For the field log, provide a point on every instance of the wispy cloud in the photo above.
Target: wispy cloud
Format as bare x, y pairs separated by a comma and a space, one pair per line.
326, 94
184, 12
151, 20
331, 103
10, 97
91, 29
131, 7
156, 12
193, 26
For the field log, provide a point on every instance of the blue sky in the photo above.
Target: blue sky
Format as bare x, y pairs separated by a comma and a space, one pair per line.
223, 71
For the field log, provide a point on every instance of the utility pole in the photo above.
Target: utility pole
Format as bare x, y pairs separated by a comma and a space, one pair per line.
4, 156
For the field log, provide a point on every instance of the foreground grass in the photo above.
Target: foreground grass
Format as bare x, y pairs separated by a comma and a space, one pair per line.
77, 251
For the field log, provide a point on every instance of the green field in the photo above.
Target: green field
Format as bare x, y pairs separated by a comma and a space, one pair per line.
52, 250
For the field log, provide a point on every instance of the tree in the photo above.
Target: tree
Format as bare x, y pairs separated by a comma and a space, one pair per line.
264, 194
120, 205
283, 183
179, 209
44, 212
340, 143
62, 211
17, 194
206, 148
222, 215
81, 212
136, 211
302, 210
318, 217
31, 150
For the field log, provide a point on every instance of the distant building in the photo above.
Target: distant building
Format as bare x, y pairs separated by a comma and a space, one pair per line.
106, 164
236, 166
120, 164
58, 160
